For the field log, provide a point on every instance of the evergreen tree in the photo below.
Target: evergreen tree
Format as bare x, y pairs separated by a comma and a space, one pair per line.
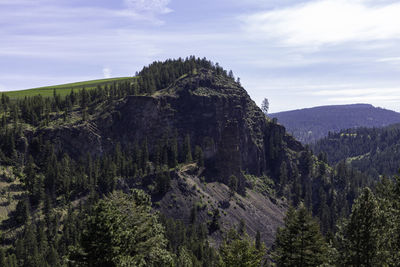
233, 185
299, 242
239, 252
184, 258
359, 237
2, 258
265, 106
198, 156
258, 240
12, 261
388, 196
22, 212
187, 150
283, 176
124, 232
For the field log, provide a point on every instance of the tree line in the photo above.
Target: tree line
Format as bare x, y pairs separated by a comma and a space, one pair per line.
73, 214
373, 151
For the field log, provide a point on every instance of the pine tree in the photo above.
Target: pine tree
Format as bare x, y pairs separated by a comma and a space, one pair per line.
173, 153
12, 261
187, 149
359, 237
265, 106
283, 176
124, 232
233, 185
184, 258
2, 258
239, 252
299, 242
389, 202
22, 211
198, 156
258, 240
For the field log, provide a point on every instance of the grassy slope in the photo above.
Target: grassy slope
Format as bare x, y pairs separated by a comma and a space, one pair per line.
64, 89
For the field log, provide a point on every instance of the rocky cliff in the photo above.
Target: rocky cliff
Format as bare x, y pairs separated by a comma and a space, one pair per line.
219, 116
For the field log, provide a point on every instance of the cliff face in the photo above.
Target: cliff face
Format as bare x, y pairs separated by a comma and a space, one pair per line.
215, 112
219, 116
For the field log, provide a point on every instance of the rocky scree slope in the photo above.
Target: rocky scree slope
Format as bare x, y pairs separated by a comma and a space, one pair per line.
218, 116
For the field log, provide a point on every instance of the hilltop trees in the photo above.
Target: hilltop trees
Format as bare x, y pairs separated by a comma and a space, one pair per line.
159, 75
38, 110
265, 106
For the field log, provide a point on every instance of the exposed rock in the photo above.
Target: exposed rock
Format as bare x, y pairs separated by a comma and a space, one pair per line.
257, 211
219, 116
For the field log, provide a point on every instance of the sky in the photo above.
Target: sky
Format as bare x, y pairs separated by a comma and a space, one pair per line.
297, 54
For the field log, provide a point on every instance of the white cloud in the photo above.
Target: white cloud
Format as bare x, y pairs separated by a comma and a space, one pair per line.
388, 97
18, 2
324, 22
389, 59
150, 6
359, 92
148, 9
57, 34
17, 15
106, 73
375, 99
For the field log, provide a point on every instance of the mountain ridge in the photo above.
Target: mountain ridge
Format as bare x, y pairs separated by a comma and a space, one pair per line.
186, 135
219, 116
374, 151
311, 124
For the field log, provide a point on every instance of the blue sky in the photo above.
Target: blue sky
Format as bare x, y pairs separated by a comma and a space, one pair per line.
296, 53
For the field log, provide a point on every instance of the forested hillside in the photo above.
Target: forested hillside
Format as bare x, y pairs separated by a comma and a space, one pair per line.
177, 167
373, 151
310, 124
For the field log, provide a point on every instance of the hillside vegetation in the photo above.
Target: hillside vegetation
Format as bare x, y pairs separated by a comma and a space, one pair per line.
375, 151
310, 124
179, 168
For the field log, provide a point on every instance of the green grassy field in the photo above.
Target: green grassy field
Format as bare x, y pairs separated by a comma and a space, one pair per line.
64, 89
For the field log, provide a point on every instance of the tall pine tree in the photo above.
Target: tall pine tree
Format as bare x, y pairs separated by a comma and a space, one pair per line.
299, 242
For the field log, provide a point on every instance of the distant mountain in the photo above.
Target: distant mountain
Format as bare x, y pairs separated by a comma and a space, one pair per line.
375, 151
311, 124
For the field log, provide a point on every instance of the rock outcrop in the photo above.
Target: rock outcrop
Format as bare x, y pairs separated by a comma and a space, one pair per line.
219, 116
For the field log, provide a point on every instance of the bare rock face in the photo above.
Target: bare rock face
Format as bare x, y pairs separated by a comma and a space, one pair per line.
192, 200
219, 116
216, 113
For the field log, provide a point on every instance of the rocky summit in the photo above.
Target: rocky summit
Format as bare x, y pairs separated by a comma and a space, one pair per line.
219, 116
178, 159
